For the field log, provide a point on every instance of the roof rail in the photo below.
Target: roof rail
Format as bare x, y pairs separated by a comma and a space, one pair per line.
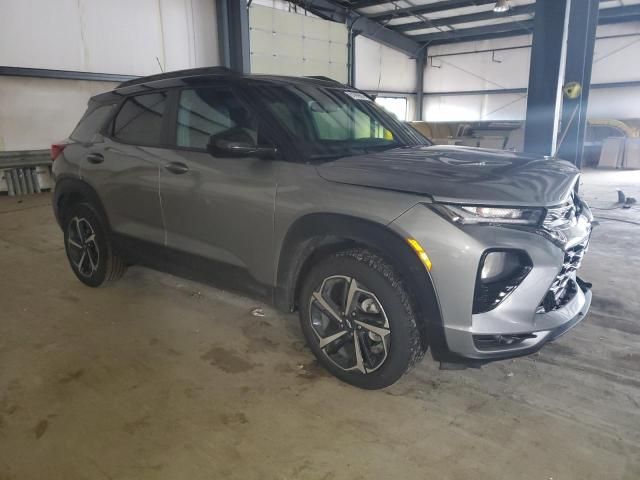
325, 78
177, 74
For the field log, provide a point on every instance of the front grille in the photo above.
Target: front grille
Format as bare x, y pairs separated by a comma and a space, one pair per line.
564, 286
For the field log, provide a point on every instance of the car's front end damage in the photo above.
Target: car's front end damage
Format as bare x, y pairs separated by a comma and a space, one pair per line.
502, 235
506, 278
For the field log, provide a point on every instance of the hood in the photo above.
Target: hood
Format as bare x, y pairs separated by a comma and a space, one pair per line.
459, 175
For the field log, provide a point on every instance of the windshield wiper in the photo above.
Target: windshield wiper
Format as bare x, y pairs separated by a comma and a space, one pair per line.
381, 148
330, 156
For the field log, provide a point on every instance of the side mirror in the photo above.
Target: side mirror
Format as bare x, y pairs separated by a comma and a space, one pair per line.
241, 149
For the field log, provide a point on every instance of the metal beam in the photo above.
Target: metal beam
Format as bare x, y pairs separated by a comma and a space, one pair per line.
369, 3
352, 58
233, 34
478, 38
521, 91
607, 16
426, 9
458, 19
63, 74
362, 25
545, 77
521, 27
583, 21
421, 62
493, 91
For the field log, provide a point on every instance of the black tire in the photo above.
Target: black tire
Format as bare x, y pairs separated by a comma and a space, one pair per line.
381, 286
86, 233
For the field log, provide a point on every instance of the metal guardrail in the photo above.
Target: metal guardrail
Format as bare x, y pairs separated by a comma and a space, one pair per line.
19, 170
24, 159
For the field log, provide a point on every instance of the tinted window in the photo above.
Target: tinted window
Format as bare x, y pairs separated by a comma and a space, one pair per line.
139, 120
345, 123
207, 114
91, 122
334, 122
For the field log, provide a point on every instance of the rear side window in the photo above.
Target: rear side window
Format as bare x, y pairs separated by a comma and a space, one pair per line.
91, 122
139, 121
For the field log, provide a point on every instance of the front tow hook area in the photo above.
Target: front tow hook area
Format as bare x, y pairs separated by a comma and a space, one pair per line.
561, 330
460, 363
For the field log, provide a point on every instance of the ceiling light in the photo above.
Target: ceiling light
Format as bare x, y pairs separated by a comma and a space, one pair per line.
501, 6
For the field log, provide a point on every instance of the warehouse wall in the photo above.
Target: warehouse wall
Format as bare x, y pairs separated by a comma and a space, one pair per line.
615, 60
291, 43
383, 69
115, 36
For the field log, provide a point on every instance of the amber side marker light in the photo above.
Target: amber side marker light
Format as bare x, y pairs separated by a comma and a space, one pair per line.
422, 255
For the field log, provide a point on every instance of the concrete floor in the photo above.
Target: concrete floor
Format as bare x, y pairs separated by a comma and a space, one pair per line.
161, 378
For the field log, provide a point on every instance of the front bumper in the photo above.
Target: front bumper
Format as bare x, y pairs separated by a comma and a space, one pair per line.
557, 324
455, 254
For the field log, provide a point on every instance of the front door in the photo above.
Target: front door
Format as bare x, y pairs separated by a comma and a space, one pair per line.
218, 206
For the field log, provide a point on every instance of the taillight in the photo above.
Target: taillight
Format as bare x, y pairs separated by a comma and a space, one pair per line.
56, 149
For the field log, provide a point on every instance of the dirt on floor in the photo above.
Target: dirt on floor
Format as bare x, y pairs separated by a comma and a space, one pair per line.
163, 378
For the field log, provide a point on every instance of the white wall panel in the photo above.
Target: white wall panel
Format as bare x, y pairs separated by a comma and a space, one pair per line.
478, 71
615, 60
289, 43
618, 103
471, 108
115, 36
105, 36
35, 112
383, 68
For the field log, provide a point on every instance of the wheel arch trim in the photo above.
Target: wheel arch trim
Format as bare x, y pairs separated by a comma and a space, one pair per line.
69, 186
315, 231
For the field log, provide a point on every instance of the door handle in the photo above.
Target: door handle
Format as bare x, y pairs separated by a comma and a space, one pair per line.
95, 158
177, 167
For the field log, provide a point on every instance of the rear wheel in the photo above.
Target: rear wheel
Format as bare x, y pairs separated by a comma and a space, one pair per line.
89, 248
358, 319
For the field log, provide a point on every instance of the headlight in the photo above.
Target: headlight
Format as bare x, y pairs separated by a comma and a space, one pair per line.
473, 215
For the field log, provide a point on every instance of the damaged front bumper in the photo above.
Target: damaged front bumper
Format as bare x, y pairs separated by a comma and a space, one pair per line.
548, 301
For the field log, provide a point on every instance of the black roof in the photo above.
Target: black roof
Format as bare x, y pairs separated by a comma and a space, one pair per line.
201, 75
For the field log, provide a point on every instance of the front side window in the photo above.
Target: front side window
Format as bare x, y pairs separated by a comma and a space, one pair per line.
333, 122
139, 121
208, 114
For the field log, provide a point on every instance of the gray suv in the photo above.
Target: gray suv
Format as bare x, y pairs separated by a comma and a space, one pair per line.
308, 195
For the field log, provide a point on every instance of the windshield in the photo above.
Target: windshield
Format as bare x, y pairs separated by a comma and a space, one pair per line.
333, 122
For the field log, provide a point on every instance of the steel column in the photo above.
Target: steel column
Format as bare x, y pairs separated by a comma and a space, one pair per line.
351, 80
421, 61
546, 74
583, 21
233, 34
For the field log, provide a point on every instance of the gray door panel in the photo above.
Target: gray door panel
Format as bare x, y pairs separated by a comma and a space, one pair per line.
127, 181
222, 209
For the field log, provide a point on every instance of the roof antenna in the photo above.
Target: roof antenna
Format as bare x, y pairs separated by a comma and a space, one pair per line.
159, 65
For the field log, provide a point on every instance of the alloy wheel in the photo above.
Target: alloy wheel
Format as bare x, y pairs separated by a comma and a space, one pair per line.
83, 248
350, 324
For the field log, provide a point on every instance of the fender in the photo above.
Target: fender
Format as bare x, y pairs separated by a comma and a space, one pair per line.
316, 235
70, 189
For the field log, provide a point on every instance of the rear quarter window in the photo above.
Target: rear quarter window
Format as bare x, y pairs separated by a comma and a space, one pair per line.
140, 119
91, 123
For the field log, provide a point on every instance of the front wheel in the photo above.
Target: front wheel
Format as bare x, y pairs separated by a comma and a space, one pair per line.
358, 319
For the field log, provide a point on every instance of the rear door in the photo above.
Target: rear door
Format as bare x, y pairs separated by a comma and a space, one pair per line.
217, 206
124, 167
